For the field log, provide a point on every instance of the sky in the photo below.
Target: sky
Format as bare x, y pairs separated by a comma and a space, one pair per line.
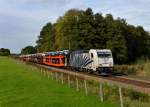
22, 20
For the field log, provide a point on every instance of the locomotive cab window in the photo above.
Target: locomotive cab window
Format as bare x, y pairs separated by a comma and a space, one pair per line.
104, 54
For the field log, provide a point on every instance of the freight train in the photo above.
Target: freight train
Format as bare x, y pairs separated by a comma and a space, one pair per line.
97, 61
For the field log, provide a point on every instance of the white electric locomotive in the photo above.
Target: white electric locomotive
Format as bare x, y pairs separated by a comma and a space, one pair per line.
99, 61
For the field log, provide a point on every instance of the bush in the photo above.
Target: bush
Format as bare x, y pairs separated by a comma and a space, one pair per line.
125, 69
135, 95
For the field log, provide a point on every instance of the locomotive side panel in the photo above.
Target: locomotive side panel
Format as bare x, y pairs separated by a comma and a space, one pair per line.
80, 59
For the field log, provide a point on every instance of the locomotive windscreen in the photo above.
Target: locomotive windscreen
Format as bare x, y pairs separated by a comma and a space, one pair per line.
103, 54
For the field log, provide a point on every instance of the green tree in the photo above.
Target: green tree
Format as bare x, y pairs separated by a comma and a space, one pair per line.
28, 50
45, 40
73, 30
86, 33
116, 40
99, 39
82, 29
4, 52
67, 31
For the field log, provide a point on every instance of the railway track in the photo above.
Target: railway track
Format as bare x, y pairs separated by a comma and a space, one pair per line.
137, 84
126, 80
132, 81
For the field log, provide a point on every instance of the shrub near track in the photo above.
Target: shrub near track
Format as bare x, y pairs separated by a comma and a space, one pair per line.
21, 86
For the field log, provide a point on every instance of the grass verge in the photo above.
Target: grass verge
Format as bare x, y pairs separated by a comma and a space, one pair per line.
21, 86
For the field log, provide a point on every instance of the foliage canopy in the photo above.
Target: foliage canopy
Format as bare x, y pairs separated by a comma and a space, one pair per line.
28, 50
82, 29
4, 52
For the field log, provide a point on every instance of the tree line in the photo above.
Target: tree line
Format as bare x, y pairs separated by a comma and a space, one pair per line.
82, 29
28, 50
4, 52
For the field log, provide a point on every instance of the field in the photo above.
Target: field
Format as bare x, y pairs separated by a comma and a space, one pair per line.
21, 86
144, 68
141, 68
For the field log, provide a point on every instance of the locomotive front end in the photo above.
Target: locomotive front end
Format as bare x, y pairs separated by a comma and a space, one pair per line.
102, 61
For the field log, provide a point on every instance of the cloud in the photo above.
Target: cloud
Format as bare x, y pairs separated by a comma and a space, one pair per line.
22, 20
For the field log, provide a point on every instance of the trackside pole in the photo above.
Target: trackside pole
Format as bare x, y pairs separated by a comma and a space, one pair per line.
62, 78
44, 72
48, 75
52, 75
101, 92
69, 80
121, 99
41, 71
77, 84
56, 76
85, 87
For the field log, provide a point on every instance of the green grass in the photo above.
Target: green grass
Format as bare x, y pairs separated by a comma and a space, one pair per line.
140, 68
144, 67
22, 87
